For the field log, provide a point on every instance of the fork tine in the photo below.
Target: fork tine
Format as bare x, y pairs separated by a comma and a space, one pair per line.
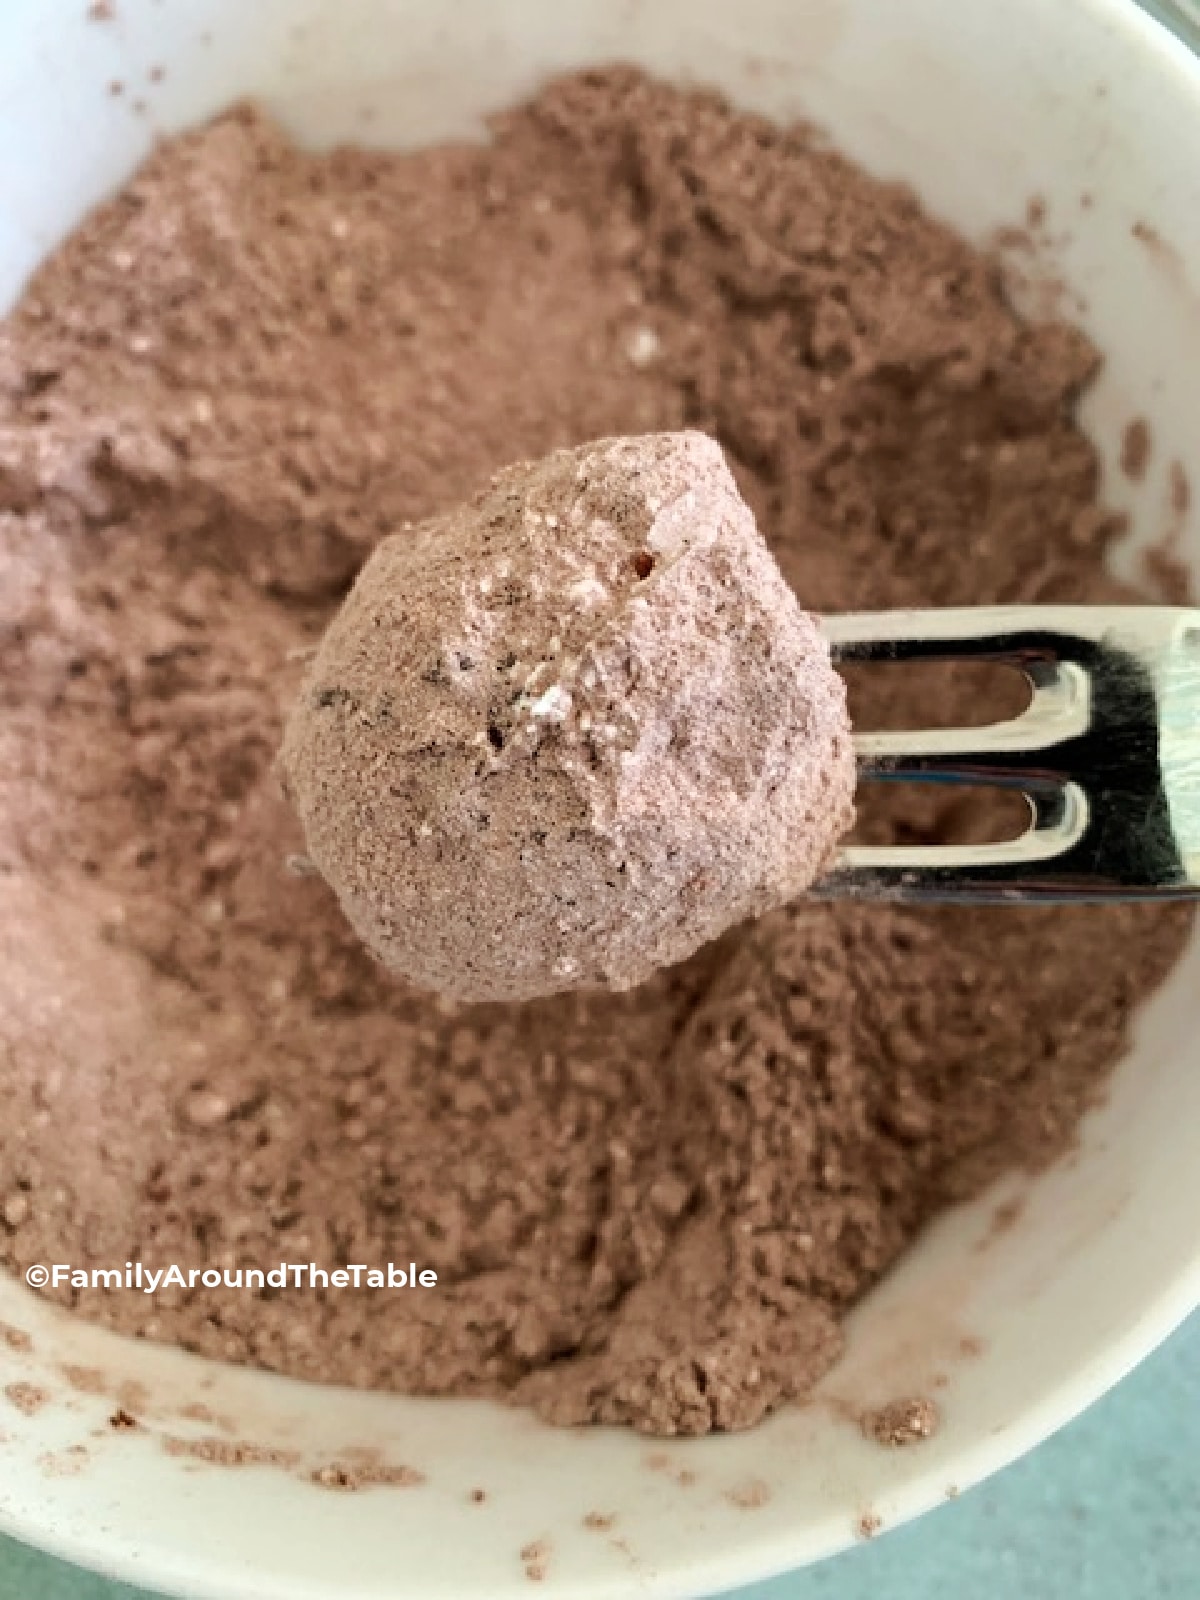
1022, 752
1015, 635
991, 760
1005, 869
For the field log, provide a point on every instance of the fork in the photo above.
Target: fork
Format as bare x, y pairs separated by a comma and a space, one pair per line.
1107, 754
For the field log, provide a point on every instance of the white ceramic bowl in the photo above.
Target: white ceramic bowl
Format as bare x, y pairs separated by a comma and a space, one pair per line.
980, 105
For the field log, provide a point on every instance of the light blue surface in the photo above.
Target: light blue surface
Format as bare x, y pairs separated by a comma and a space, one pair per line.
1109, 1509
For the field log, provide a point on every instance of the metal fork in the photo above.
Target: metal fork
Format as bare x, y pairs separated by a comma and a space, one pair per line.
1107, 754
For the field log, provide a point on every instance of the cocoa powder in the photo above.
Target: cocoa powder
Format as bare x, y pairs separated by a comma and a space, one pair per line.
902, 1422
215, 399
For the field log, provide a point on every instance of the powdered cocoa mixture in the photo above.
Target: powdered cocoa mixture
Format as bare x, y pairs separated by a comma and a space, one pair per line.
649, 1207
572, 730
902, 1422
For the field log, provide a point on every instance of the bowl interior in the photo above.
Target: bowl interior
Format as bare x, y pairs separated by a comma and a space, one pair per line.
980, 108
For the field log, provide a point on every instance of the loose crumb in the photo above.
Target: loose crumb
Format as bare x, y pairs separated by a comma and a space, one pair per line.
534, 1556
197, 1411
1013, 238
122, 1419
1006, 1214
1180, 489
599, 1521
87, 1380
868, 1525
68, 1463
334, 1477
1135, 449
228, 1452
27, 1397
749, 1496
131, 1395
101, 11
660, 1461
902, 1422
478, 1496
369, 1475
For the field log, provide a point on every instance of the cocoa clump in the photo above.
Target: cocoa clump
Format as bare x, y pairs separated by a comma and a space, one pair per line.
524, 767
902, 1422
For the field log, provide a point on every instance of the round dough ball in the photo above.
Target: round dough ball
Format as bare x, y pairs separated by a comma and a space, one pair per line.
565, 734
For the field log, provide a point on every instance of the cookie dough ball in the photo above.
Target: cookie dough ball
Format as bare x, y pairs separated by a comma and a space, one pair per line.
565, 734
